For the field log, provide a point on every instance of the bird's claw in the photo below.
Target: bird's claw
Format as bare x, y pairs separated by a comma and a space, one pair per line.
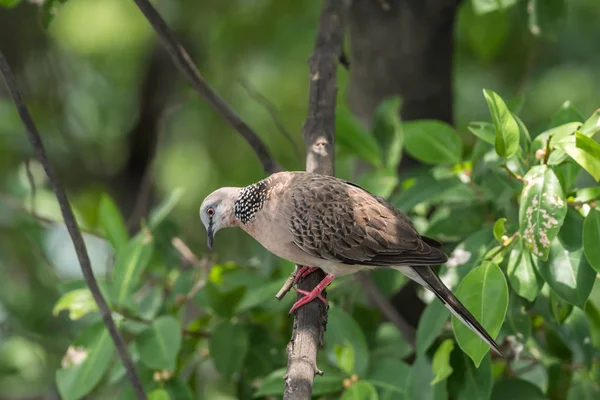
303, 272
316, 293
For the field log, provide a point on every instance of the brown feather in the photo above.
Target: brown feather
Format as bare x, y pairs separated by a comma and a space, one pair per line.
354, 226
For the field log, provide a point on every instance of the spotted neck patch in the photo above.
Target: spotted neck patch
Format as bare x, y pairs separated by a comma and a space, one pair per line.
251, 199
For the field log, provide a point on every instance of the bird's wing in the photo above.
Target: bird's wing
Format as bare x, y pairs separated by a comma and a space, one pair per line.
338, 221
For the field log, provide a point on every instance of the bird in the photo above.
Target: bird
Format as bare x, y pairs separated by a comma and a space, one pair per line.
320, 221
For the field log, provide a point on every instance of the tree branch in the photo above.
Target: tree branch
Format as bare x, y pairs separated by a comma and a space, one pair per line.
319, 136
187, 67
76, 237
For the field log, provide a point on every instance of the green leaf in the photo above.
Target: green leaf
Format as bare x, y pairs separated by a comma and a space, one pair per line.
389, 342
592, 125
500, 229
379, 182
343, 330
587, 194
485, 131
441, 361
273, 384
555, 345
516, 389
555, 134
387, 129
542, 210
178, 390
78, 302
584, 387
48, 10
389, 281
507, 129
361, 390
344, 357
559, 381
390, 377
567, 273
228, 347
560, 309
523, 133
160, 344
566, 113
129, 266
517, 320
485, 6
112, 223
351, 135
584, 150
331, 382
593, 316
522, 274
89, 358
224, 303
485, 34
150, 303
567, 172
546, 17
432, 142
485, 293
161, 212
419, 382
430, 325
9, 3
571, 233
158, 394
591, 238
456, 221
469, 382
469, 253
420, 189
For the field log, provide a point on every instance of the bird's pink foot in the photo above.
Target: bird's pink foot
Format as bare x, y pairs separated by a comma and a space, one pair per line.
304, 272
316, 293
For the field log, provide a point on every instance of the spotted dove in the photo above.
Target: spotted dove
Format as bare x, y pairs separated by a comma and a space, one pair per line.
325, 222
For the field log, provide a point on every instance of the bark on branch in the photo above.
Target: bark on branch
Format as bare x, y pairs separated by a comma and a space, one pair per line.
187, 67
319, 135
71, 224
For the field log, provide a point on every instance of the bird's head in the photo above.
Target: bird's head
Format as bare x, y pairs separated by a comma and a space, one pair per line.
216, 211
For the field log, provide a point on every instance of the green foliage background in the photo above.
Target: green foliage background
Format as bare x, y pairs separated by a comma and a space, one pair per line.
535, 288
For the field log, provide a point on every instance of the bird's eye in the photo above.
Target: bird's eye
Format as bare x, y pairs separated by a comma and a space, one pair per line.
210, 211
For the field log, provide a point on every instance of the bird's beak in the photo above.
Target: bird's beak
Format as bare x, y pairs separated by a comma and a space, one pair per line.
210, 234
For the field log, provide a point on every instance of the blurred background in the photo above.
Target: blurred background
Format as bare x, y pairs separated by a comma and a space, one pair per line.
118, 118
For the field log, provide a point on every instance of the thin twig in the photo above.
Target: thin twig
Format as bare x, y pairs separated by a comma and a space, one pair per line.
186, 66
287, 286
384, 305
76, 237
548, 149
272, 110
511, 173
16, 205
192, 260
31, 186
186, 253
318, 132
505, 244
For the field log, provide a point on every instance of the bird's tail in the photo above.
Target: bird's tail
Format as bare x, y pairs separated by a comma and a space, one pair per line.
426, 276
